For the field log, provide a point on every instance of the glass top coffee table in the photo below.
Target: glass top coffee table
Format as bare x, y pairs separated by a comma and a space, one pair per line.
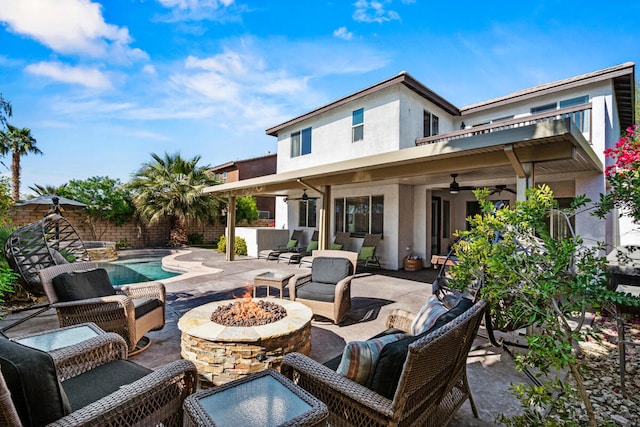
271, 278
263, 399
59, 338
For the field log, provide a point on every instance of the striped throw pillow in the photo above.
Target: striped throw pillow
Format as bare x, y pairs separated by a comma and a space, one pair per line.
359, 358
428, 315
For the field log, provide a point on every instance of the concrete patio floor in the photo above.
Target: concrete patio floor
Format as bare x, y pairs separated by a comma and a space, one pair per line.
374, 295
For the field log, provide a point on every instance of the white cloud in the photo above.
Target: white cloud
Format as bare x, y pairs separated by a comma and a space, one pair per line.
69, 27
197, 10
195, 4
343, 33
150, 69
88, 77
374, 11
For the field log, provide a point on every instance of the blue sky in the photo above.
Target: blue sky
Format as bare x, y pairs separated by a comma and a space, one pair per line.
103, 84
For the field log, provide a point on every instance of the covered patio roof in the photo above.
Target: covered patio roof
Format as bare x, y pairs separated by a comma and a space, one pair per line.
555, 148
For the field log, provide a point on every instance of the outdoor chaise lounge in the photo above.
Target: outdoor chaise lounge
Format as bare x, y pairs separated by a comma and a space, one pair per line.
295, 257
367, 256
81, 292
89, 383
327, 288
339, 243
291, 246
416, 381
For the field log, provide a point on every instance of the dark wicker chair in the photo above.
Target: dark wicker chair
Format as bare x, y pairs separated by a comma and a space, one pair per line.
326, 290
113, 313
431, 388
90, 383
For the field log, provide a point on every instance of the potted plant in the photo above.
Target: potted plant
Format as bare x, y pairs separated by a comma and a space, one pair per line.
530, 277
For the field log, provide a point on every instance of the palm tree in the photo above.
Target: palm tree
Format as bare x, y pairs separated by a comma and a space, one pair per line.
19, 142
5, 110
171, 187
41, 190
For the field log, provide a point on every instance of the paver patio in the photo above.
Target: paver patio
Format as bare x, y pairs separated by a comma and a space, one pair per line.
374, 295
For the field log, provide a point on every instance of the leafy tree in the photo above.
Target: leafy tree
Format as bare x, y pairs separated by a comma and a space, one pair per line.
47, 189
528, 277
8, 278
5, 111
171, 187
246, 208
107, 200
18, 142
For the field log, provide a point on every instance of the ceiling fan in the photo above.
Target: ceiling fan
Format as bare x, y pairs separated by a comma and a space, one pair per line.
455, 187
304, 197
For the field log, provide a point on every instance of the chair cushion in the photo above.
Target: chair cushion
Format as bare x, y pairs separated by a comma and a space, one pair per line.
360, 357
366, 252
79, 285
101, 381
325, 292
428, 315
312, 246
31, 377
292, 243
143, 306
330, 269
336, 246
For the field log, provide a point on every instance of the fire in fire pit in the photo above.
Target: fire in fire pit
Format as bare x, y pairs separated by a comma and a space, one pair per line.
246, 312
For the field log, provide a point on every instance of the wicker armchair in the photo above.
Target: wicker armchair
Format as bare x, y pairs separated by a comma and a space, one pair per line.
432, 385
326, 290
113, 313
59, 388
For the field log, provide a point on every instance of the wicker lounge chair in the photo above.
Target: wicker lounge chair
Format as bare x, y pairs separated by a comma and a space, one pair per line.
130, 310
291, 246
327, 288
432, 383
90, 383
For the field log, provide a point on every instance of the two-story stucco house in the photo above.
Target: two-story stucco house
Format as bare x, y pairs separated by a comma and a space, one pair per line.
398, 159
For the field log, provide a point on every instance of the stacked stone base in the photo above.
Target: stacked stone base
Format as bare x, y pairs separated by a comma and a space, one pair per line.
222, 361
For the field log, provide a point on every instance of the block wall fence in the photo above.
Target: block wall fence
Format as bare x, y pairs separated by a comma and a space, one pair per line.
137, 235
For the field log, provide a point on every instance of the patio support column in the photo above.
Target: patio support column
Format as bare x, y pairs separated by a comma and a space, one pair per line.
525, 182
231, 228
324, 230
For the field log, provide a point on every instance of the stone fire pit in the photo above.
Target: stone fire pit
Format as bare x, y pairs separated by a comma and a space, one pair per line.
224, 353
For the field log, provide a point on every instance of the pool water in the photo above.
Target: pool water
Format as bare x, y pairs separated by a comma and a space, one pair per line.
134, 271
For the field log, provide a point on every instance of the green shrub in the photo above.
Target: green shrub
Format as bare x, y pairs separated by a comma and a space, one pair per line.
240, 245
195, 238
122, 244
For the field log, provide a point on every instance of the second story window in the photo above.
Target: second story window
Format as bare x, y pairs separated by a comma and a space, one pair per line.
301, 142
431, 124
357, 125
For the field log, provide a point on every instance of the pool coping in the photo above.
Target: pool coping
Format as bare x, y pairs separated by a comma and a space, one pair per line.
188, 269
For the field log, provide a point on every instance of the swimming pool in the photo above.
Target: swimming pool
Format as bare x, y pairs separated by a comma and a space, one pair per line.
136, 270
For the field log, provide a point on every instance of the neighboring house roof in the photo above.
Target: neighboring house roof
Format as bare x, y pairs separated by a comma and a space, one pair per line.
403, 78
235, 163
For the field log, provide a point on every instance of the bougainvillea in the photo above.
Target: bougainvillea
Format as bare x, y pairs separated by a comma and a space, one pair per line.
623, 176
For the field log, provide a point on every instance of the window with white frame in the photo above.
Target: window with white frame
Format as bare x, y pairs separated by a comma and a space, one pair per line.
581, 118
307, 216
431, 124
359, 215
357, 125
301, 142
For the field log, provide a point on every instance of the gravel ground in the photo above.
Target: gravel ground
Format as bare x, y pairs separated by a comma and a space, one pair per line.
602, 378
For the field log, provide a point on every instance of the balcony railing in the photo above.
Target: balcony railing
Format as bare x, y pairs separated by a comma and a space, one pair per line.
580, 115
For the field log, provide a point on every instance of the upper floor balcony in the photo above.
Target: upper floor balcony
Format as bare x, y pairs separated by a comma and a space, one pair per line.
580, 115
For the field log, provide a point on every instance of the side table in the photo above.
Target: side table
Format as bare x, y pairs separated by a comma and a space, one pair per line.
265, 398
59, 338
268, 279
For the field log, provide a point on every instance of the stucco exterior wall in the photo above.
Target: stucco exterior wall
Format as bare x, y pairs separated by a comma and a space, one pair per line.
331, 139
